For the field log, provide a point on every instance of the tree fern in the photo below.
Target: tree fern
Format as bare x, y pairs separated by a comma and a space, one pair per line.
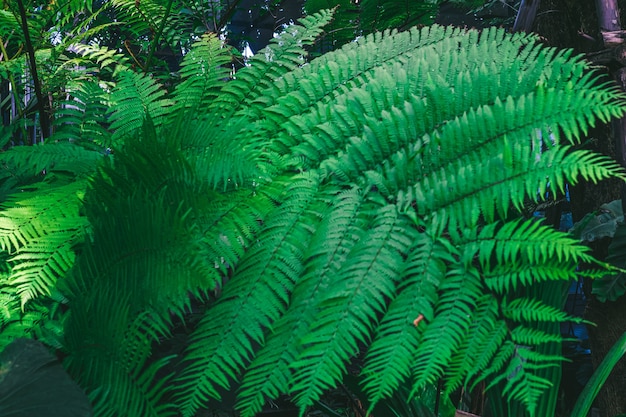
340, 121
366, 202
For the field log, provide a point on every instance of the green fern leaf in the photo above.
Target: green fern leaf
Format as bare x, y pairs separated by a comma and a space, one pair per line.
136, 98
444, 335
82, 117
26, 162
257, 81
392, 352
204, 72
522, 383
530, 310
348, 311
108, 60
108, 355
269, 374
40, 232
480, 343
253, 298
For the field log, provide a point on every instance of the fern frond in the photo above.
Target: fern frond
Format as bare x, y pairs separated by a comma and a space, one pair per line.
348, 310
392, 352
530, 310
269, 374
68, 10
9, 25
489, 354
309, 91
502, 279
520, 379
26, 162
108, 60
527, 241
252, 299
203, 72
362, 200
156, 252
139, 17
480, 343
108, 355
82, 116
332, 128
396, 111
207, 144
40, 233
227, 228
526, 336
136, 98
283, 54
41, 262
444, 335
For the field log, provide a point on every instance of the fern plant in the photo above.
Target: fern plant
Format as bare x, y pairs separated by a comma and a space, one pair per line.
415, 148
365, 203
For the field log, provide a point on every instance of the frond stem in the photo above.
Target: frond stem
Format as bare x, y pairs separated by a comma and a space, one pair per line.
132, 55
157, 36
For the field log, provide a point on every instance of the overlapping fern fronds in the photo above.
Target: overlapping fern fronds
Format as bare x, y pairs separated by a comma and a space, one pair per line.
456, 147
367, 202
38, 230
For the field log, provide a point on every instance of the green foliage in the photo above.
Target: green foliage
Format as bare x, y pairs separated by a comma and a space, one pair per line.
607, 222
363, 203
336, 122
612, 286
599, 224
595, 383
135, 98
82, 118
